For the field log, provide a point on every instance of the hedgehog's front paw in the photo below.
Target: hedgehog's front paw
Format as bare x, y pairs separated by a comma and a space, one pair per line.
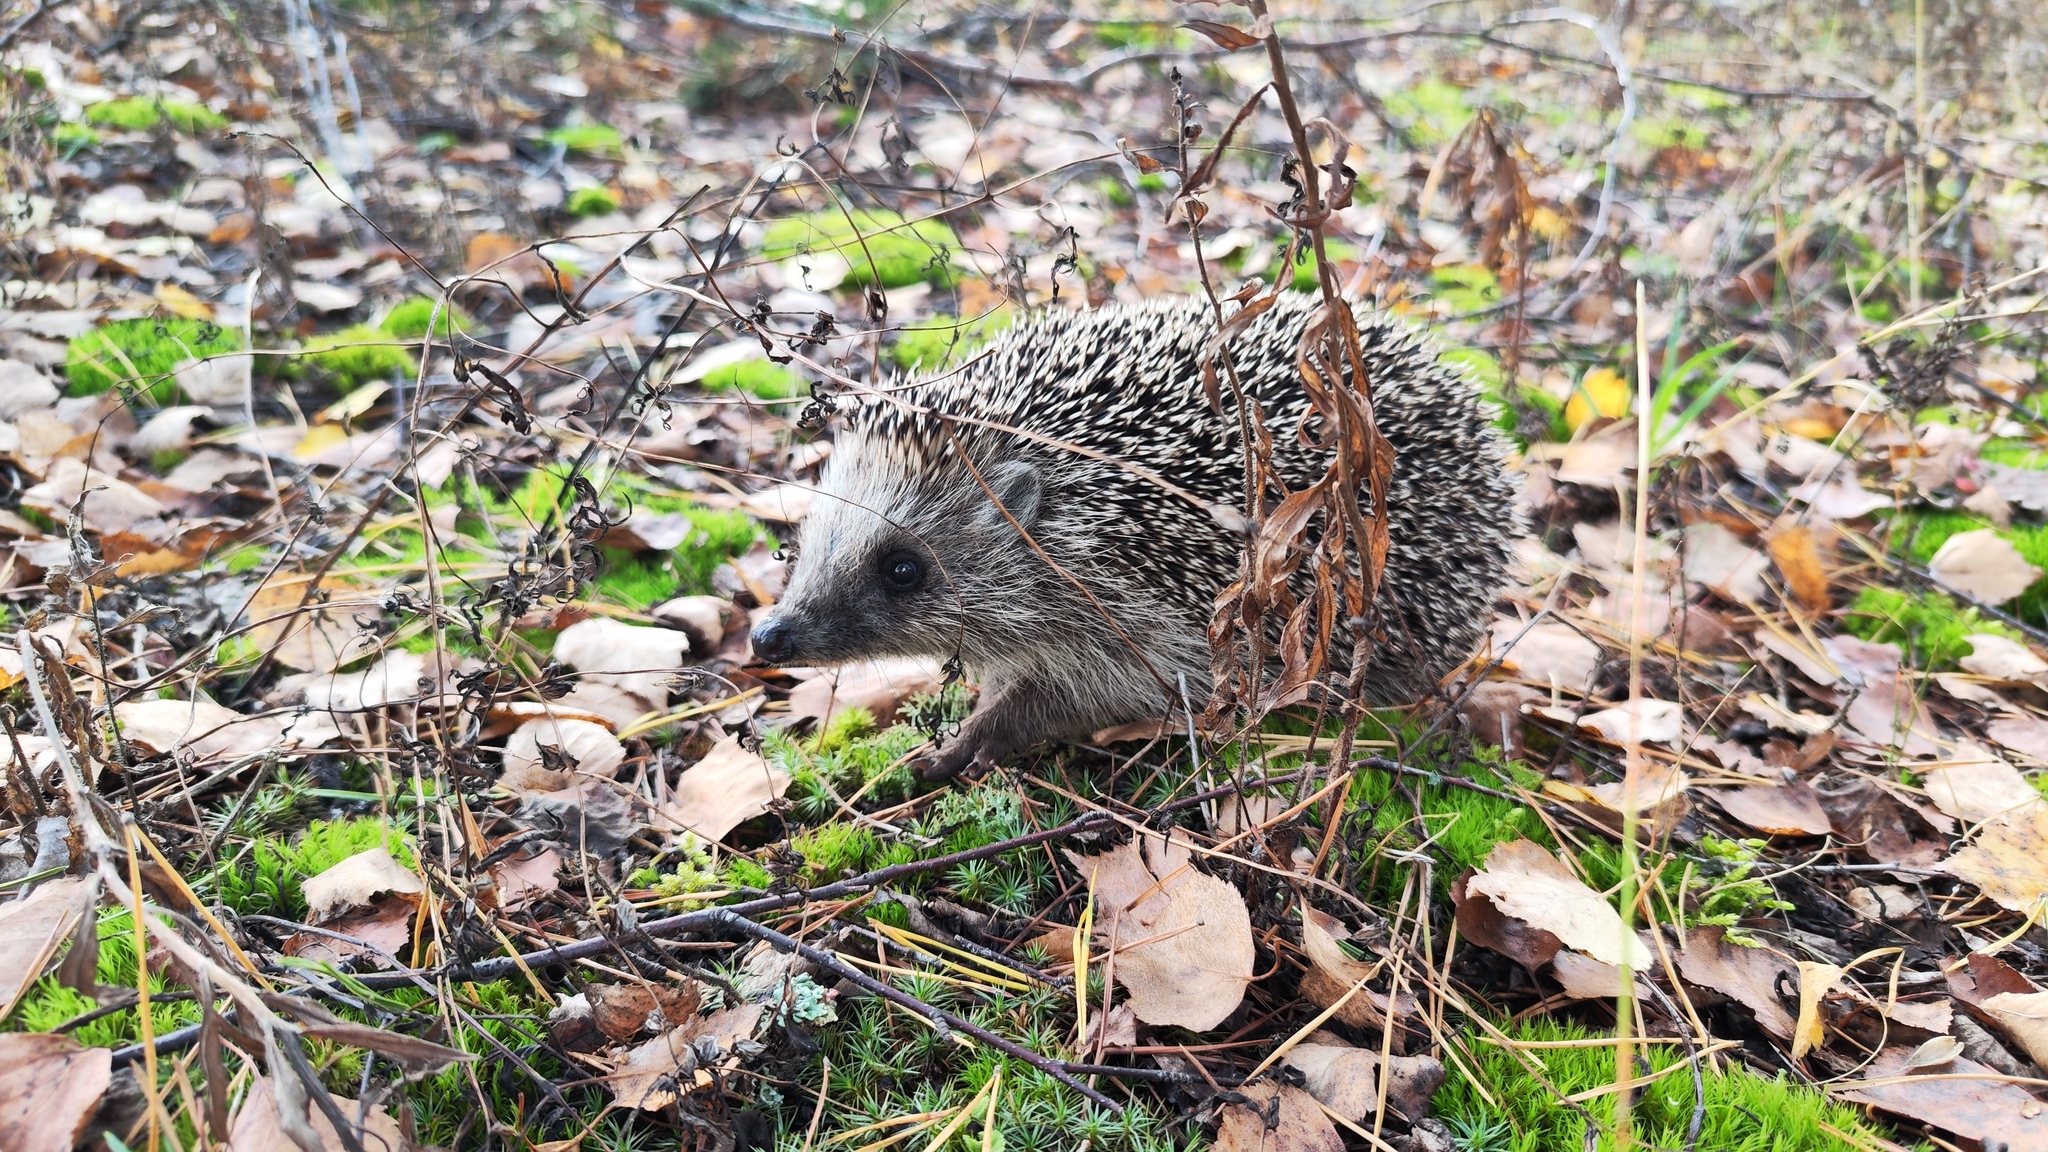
949, 760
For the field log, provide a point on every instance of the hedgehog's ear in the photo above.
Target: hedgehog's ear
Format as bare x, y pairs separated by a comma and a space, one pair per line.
1016, 485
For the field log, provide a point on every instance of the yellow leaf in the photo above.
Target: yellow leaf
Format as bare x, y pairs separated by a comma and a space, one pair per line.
319, 438
1810, 428
1546, 222
1601, 393
183, 303
354, 404
1815, 979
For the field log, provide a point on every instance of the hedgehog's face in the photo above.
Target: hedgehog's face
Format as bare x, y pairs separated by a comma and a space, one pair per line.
889, 563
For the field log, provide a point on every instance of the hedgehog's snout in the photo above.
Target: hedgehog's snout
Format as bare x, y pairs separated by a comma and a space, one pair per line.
774, 640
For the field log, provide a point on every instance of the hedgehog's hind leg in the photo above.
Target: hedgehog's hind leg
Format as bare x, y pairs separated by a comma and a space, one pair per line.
1012, 715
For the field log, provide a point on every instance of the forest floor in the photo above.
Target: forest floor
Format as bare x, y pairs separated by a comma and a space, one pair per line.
403, 404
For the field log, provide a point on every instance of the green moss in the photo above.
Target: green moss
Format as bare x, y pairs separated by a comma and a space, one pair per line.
1433, 108
879, 246
408, 319
587, 139
140, 114
358, 355
1745, 1111
1929, 626
835, 850
268, 876
846, 726
48, 1004
741, 872
70, 139
142, 355
1462, 826
1465, 287
935, 344
1306, 278
587, 202
762, 379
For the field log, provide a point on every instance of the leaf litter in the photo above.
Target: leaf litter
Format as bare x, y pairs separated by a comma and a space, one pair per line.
401, 436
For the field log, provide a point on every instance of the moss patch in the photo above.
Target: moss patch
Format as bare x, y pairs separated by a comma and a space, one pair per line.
140, 114
761, 379
880, 247
1745, 1111
935, 344
587, 202
588, 139
358, 354
142, 356
408, 319
1929, 626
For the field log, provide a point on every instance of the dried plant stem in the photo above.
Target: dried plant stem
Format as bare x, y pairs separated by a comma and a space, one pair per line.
1632, 773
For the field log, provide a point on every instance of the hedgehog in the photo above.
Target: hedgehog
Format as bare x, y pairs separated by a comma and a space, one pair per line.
1008, 515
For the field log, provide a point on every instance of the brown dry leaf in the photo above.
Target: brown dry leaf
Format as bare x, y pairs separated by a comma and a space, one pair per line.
578, 746
258, 1129
622, 1011
1301, 1124
357, 881
1332, 974
1983, 566
648, 1078
1483, 924
1183, 938
2025, 736
728, 787
1549, 653
1984, 1110
1528, 883
159, 727
1725, 562
323, 636
1815, 980
49, 1087
114, 506
2009, 860
640, 660
1346, 1079
2004, 660
1119, 1029
1749, 976
1638, 722
521, 881
1974, 785
1584, 978
1886, 712
32, 930
2024, 1016
880, 686
1658, 783
1793, 551
1493, 713
1782, 810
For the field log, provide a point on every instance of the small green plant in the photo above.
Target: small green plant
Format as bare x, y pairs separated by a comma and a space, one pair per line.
1932, 628
142, 356
141, 113
879, 247
761, 379
408, 319
935, 344
835, 850
71, 138
1518, 1112
691, 870
585, 203
269, 875
359, 354
1679, 381
587, 139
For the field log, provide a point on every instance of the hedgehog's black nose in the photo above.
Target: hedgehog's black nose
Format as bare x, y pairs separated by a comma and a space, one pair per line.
774, 642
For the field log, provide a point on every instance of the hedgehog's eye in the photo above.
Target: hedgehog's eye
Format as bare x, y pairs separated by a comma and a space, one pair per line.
902, 572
